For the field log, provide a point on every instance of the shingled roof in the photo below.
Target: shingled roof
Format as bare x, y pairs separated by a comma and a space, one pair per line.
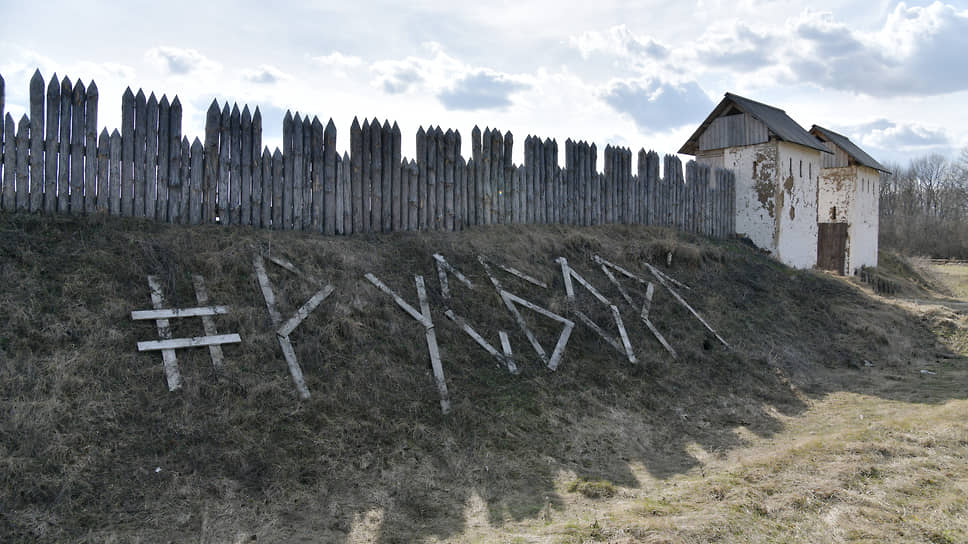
775, 119
849, 147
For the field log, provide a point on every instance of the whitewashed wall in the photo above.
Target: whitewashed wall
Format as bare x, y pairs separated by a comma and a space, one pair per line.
756, 182
796, 199
854, 191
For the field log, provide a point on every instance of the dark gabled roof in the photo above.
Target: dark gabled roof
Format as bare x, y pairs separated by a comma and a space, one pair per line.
849, 147
775, 119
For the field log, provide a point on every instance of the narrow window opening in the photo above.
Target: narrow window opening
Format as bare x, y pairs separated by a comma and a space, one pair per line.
801, 169
810, 170
833, 213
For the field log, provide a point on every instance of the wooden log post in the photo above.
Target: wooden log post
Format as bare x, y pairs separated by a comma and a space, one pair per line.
64, 146
195, 204
90, 149
23, 164
421, 181
222, 203
245, 167
347, 193
413, 195
308, 189
208, 188
450, 160
298, 169
487, 201
9, 196
431, 202
278, 189
399, 204
103, 160
475, 196
36, 188
114, 174
376, 177
50, 157
356, 175
332, 198
176, 149
151, 155
386, 177
165, 151
140, 148
338, 193
267, 200
315, 173
77, 150
441, 157
258, 191
366, 169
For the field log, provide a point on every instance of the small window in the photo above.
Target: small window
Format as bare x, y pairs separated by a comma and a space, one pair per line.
810, 170
791, 167
801, 169
833, 213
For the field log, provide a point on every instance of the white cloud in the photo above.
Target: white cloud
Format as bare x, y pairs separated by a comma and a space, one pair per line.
657, 106
265, 74
176, 61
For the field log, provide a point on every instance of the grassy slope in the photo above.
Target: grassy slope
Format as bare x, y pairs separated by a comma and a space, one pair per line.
714, 444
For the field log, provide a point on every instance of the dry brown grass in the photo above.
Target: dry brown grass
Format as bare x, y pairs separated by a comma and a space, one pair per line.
713, 445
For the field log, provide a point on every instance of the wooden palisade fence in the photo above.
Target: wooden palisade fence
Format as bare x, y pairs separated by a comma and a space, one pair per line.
55, 161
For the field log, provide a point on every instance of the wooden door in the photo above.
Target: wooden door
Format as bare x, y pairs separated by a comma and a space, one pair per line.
832, 246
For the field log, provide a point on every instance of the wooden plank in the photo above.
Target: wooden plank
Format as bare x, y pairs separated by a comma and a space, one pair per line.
288, 171
418, 316
569, 325
303, 312
140, 148
257, 204
151, 156
103, 152
114, 174
209, 187
77, 150
9, 164
208, 324
230, 200
502, 358
245, 167
193, 342
332, 198
176, 182
172, 376
171, 313
266, 287
51, 143
431, 334
36, 187
197, 200
162, 202
220, 191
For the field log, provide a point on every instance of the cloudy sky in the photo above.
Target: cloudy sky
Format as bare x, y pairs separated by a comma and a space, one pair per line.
892, 76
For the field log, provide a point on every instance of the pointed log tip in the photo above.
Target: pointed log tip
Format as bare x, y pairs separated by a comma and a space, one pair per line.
330, 126
104, 133
175, 102
420, 131
245, 110
36, 81
66, 82
288, 117
225, 110
213, 106
316, 123
196, 142
257, 114
235, 108
163, 102
140, 95
396, 127
115, 133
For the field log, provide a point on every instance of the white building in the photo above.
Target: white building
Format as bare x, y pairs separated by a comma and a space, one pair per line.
777, 164
847, 206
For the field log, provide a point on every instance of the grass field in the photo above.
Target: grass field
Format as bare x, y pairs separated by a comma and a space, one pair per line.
817, 424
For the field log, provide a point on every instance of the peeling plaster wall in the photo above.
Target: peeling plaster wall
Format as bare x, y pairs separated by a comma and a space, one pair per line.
796, 205
756, 184
854, 191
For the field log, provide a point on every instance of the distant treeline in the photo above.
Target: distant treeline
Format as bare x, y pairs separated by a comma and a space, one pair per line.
924, 207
